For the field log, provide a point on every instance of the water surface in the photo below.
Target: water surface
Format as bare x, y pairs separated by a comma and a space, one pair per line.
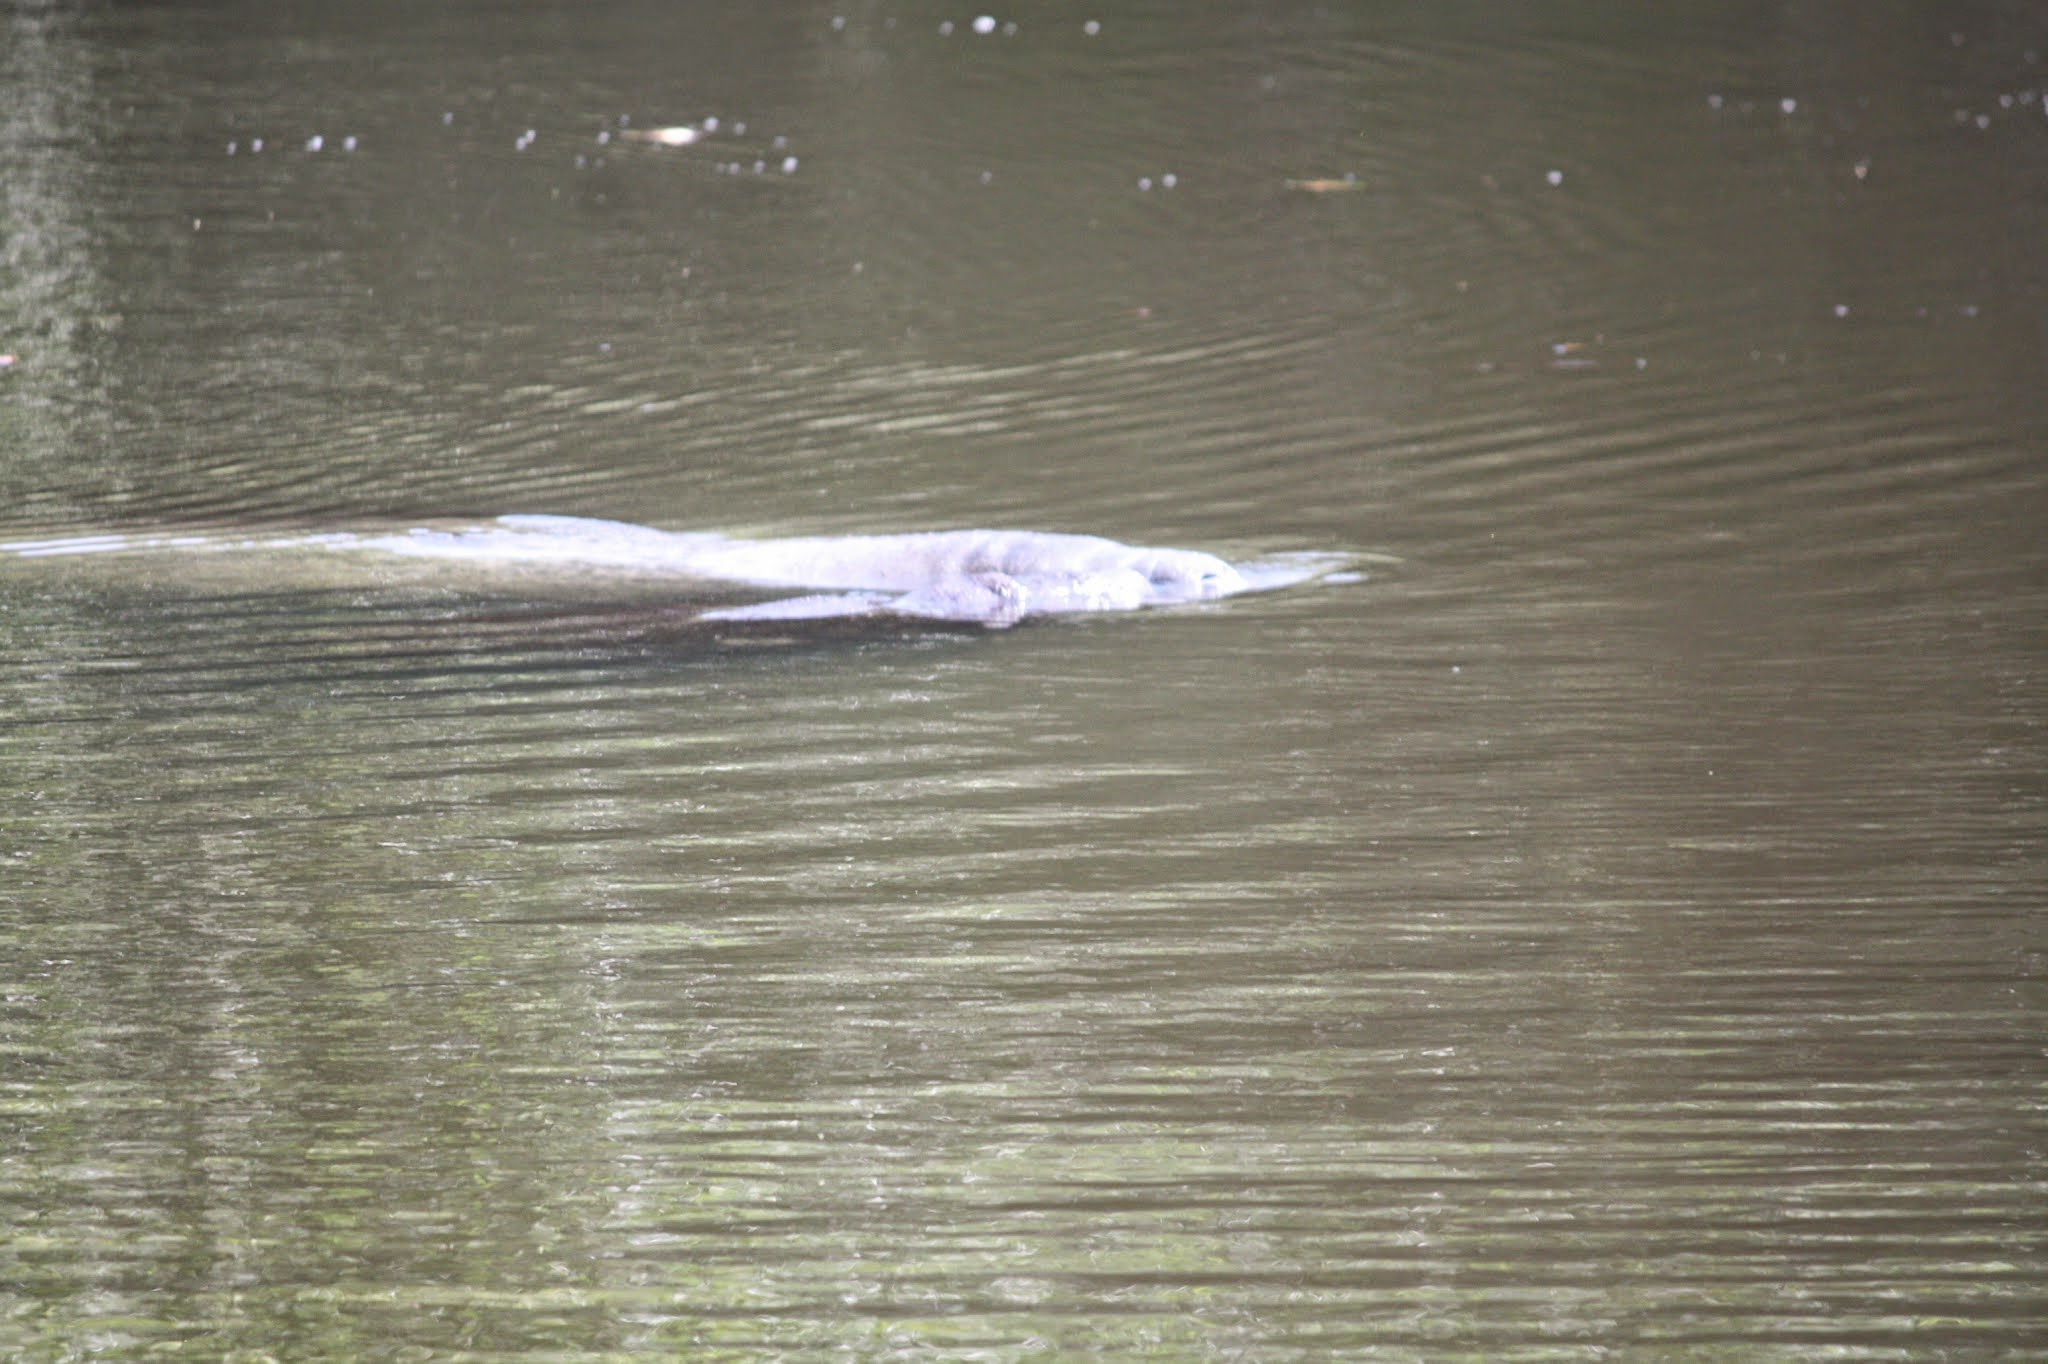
1613, 925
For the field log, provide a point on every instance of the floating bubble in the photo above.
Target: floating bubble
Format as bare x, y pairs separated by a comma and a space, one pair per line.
1091, 28
1555, 178
315, 143
985, 24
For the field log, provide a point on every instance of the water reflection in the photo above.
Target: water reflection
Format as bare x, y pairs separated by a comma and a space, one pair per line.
60, 309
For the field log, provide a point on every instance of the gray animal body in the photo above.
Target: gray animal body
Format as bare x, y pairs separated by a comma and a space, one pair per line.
995, 577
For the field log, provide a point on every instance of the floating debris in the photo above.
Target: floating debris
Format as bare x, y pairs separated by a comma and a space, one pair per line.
1571, 355
682, 135
1344, 185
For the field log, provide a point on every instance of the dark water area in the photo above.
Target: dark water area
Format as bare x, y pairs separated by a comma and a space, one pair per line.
1613, 927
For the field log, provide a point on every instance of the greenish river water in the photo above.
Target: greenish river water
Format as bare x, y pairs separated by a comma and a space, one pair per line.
1612, 928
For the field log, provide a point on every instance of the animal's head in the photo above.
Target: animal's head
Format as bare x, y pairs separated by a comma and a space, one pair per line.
1188, 575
